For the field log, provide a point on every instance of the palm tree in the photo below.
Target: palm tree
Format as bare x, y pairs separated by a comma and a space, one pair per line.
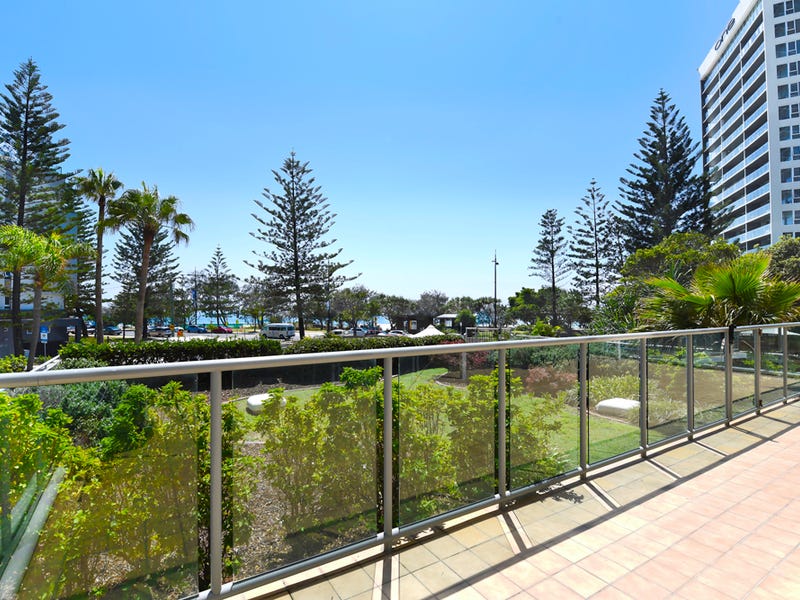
739, 292
151, 212
101, 187
46, 257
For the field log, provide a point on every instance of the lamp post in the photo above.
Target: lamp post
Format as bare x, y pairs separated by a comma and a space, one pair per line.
494, 298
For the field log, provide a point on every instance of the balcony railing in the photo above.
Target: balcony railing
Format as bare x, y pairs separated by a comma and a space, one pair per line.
345, 460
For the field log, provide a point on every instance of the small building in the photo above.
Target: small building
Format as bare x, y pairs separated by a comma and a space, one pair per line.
447, 320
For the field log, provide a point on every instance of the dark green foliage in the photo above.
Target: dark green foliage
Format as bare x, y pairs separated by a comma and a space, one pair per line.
162, 273
300, 261
678, 256
785, 258
130, 353
90, 405
339, 344
548, 260
524, 358
218, 289
30, 173
591, 249
130, 424
31, 181
662, 195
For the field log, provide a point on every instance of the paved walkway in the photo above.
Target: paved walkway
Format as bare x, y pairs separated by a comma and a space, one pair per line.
715, 518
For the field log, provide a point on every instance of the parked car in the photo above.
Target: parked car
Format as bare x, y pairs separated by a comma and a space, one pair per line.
338, 332
397, 332
222, 329
160, 332
196, 329
112, 330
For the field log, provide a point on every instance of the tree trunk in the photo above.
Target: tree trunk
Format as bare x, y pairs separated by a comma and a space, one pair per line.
37, 321
139, 332
98, 273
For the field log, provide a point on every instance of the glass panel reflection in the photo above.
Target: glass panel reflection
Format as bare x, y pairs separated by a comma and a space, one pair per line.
613, 399
709, 378
666, 388
543, 403
446, 437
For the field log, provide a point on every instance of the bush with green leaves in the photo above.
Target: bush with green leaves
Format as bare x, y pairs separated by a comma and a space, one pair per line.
323, 455
140, 501
131, 353
13, 364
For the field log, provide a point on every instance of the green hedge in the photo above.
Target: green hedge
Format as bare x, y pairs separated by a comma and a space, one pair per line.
130, 353
312, 345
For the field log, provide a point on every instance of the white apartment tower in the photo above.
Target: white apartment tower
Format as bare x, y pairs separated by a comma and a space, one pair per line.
750, 95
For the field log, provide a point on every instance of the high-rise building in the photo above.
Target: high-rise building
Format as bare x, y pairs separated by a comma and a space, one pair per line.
750, 95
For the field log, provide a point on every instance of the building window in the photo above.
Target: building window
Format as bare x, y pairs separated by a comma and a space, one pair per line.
786, 154
785, 8
786, 217
789, 175
786, 196
789, 111
789, 133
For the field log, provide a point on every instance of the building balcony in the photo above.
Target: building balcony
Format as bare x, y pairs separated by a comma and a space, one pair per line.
583, 464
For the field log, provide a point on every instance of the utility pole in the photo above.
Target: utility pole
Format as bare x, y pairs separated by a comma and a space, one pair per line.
495, 263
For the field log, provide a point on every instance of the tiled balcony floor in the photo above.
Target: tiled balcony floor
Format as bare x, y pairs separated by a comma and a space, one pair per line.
715, 518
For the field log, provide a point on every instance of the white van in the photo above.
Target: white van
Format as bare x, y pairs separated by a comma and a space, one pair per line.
278, 331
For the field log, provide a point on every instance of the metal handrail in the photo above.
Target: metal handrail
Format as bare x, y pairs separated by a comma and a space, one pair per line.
504, 494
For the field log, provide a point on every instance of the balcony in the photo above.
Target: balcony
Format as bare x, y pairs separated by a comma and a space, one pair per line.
438, 476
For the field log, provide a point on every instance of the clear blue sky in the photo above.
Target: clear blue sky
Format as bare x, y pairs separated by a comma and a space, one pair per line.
439, 131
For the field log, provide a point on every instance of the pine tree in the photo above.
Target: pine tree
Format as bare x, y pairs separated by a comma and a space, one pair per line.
297, 221
162, 275
219, 288
591, 249
662, 195
30, 166
548, 260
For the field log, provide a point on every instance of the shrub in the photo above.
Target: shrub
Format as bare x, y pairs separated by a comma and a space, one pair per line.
13, 364
130, 353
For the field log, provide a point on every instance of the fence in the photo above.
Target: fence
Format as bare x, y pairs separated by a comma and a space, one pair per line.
180, 498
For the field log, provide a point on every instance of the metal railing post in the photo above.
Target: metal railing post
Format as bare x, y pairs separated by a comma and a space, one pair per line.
502, 472
643, 396
757, 370
388, 480
583, 408
729, 375
785, 348
690, 385
215, 492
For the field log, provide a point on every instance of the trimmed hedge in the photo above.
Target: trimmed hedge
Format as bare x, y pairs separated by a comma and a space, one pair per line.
129, 353
338, 344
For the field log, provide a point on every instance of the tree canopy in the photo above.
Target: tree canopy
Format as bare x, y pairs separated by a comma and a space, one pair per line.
301, 260
661, 194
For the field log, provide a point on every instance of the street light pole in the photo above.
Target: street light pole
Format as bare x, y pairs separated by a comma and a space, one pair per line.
495, 263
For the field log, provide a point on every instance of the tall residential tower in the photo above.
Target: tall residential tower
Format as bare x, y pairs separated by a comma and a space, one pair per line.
750, 94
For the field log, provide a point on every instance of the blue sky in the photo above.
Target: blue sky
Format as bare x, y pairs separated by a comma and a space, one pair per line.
439, 131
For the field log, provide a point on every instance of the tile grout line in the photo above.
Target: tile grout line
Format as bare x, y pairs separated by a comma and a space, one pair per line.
663, 468
602, 496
